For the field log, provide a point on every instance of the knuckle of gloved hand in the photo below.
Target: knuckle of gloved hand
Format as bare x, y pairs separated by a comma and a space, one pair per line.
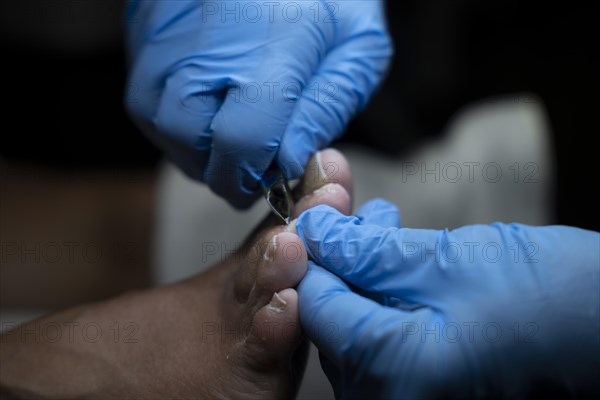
250, 132
244, 140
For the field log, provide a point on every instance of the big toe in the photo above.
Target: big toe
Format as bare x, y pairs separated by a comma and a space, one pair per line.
327, 180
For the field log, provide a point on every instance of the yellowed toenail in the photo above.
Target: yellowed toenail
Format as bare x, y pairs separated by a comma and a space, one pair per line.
277, 304
269, 254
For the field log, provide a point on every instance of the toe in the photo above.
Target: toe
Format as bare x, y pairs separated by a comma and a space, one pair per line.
283, 265
332, 194
274, 353
327, 180
275, 332
326, 166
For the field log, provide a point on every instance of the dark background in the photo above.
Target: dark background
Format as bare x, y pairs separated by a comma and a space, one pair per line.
63, 77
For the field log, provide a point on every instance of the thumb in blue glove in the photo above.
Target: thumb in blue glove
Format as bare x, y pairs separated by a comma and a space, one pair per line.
498, 310
228, 88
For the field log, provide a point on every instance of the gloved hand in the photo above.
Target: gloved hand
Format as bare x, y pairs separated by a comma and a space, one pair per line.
479, 311
226, 88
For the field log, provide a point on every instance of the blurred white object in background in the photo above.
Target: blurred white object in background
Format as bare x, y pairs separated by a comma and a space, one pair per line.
493, 164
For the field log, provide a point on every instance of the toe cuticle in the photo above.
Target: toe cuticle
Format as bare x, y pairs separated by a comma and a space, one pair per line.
277, 304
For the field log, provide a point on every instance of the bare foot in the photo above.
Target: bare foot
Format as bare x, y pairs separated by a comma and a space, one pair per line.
231, 332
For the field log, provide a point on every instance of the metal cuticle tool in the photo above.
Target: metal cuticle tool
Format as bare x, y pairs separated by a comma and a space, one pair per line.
277, 193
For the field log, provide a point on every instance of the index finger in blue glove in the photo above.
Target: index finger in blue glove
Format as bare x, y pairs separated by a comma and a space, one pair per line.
434, 267
341, 86
375, 258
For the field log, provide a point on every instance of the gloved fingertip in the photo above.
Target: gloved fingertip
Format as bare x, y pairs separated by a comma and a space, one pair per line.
322, 229
315, 218
380, 212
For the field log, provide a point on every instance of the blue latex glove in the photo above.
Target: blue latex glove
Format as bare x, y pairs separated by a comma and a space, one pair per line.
226, 88
484, 310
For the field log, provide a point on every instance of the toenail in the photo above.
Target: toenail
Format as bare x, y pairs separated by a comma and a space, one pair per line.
277, 304
320, 166
329, 188
269, 254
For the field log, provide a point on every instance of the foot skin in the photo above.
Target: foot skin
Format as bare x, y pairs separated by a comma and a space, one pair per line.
231, 332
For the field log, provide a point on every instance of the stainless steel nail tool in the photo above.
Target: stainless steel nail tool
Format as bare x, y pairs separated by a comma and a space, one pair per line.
277, 193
